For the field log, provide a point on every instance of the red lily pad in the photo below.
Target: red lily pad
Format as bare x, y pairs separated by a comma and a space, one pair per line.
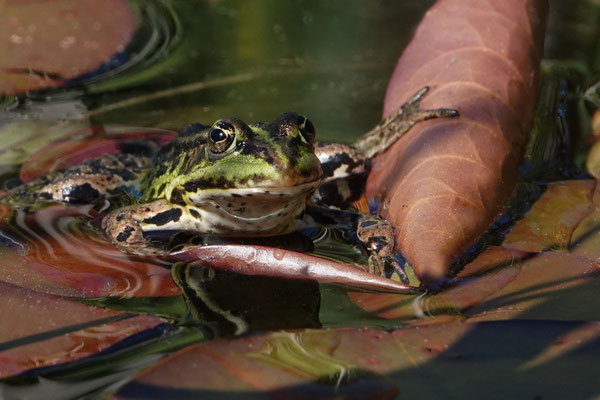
551, 285
46, 330
51, 41
490, 272
280, 364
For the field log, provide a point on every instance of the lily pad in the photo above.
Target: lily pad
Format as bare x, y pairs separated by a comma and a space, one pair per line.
48, 330
50, 42
553, 218
492, 360
55, 251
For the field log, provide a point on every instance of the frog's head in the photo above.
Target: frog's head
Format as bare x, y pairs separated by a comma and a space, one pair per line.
250, 171
233, 155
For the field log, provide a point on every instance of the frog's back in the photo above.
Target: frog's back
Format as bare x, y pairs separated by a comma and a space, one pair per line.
170, 161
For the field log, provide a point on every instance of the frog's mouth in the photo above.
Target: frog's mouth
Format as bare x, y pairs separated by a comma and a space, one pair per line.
251, 195
252, 211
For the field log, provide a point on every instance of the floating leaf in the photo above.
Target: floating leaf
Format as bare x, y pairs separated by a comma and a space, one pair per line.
485, 276
552, 285
45, 43
584, 240
47, 330
446, 180
286, 365
553, 217
465, 360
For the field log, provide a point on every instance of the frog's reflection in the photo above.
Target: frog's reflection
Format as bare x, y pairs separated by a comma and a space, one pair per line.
233, 304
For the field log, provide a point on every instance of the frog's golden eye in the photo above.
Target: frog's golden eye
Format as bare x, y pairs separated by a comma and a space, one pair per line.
307, 130
221, 137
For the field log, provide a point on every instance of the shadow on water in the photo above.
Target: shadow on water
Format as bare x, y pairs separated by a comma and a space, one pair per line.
489, 362
502, 359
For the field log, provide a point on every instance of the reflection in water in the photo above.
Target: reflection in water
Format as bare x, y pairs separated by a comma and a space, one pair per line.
158, 31
290, 352
61, 243
233, 303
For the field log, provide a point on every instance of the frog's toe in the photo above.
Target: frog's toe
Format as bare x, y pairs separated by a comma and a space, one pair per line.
124, 232
387, 267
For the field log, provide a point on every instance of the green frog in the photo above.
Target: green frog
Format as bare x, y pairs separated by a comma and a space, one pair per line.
233, 179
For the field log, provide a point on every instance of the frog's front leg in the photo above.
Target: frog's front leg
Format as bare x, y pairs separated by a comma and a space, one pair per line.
344, 174
388, 131
377, 235
126, 226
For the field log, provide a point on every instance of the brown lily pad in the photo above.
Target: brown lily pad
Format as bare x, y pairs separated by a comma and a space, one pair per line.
552, 219
58, 257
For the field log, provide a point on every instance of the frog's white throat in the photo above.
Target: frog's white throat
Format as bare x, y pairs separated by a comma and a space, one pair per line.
258, 211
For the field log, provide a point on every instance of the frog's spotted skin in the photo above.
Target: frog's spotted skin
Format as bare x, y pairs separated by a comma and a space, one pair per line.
344, 174
88, 182
232, 179
258, 184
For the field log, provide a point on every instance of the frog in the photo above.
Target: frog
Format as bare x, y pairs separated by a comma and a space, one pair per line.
234, 179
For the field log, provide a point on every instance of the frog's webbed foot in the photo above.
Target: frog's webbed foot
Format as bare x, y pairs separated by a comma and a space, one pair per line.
377, 235
395, 125
125, 226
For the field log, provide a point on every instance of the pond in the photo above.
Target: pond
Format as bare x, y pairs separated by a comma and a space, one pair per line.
81, 319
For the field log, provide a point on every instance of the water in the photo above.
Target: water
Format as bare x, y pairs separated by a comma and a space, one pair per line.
199, 61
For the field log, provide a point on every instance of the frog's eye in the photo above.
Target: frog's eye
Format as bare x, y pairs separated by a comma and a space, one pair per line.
221, 137
307, 130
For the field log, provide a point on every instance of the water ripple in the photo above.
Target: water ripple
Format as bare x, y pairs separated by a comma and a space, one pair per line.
65, 239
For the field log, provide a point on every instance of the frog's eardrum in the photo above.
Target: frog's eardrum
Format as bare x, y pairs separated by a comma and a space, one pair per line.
446, 180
